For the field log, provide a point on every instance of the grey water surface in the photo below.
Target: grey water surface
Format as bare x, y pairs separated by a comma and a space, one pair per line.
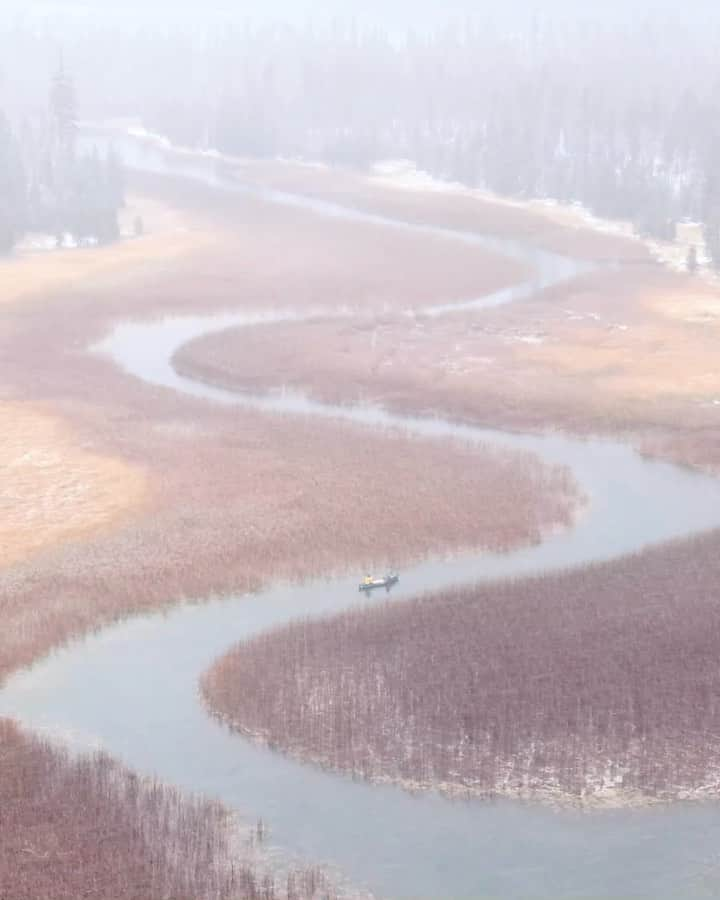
133, 688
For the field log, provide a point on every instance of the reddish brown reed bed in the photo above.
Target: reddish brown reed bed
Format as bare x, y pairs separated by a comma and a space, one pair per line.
594, 356
599, 685
263, 255
85, 827
261, 498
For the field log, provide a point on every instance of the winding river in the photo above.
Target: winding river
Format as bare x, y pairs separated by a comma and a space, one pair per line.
133, 688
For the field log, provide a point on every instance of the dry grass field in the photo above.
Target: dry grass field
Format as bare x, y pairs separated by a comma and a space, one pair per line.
440, 208
629, 351
169, 234
264, 255
54, 488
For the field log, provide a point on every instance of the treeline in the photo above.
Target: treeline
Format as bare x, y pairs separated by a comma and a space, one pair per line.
623, 117
579, 685
624, 120
48, 186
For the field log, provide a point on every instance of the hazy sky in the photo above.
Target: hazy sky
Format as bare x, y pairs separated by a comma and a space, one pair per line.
390, 12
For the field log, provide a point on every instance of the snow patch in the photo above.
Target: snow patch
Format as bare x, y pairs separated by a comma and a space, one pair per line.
404, 174
44, 243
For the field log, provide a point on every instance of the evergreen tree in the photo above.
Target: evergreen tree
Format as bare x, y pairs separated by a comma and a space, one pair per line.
45, 186
711, 212
64, 114
13, 191
115, 180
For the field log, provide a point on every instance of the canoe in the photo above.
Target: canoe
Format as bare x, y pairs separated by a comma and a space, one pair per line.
387, 582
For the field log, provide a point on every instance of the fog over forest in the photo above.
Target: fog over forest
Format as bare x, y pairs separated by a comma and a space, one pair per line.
614, 108
402, 10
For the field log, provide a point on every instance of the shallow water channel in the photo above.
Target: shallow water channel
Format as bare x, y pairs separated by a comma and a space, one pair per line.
132, 688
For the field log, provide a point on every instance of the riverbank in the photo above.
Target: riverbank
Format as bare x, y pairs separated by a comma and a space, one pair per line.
593, 688
89, 828
628, 352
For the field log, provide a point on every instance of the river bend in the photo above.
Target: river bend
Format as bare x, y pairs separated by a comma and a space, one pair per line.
133, 688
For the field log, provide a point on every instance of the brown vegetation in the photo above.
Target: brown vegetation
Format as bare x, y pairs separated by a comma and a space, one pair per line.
445, 209
248, 501
265, 255
168, 235
597, 685
606, 354
86, 828
53, 488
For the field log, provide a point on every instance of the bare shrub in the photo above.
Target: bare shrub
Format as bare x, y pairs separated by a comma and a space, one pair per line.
587, 685
88, 828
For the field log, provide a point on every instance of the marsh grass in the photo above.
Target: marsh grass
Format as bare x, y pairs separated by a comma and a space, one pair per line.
597, 685
85, 827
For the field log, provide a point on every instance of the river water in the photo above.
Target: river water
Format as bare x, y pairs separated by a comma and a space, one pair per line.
133, 688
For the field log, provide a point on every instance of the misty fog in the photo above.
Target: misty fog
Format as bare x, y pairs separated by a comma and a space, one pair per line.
617, 112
